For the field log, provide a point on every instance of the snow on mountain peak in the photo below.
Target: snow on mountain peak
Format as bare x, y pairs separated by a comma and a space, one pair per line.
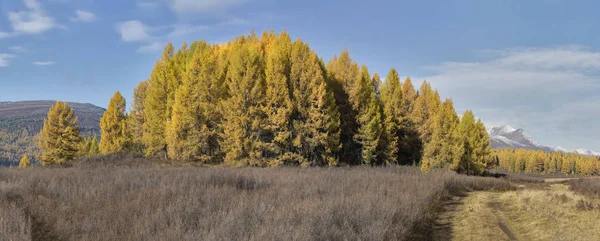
500, 130
587, 152
508, 137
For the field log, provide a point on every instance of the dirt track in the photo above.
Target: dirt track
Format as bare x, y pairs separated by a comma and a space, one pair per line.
546, 211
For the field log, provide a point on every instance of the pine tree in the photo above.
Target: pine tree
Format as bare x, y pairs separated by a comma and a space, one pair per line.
445, 147
370, 118
176, 71
84, 147
343, 74
59, 139
156, 104
115, 136
94, 146
391, 96
475, 143
136, 115
278, 104
425, 107
244, 122
411, 145
316, 122
25, 162
481, 148
409, 95
192, 132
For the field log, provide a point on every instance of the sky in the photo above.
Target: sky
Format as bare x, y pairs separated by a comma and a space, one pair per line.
529, 64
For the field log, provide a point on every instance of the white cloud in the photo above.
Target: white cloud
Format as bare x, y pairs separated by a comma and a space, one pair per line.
150, 48
195, 6
550, 92
32, 21
4, 59
147, 4
133, 31
43, 63
185, 29
18, 49
6, 35
83, 16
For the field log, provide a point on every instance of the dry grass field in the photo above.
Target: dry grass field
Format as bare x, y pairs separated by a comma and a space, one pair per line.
103, 202
551, 213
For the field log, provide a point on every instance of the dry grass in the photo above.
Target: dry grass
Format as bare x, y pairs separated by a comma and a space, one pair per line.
554, 213
586, 186
94, 202
531, 177
14, 223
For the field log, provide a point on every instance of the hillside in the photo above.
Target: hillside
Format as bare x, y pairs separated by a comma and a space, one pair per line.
21, 121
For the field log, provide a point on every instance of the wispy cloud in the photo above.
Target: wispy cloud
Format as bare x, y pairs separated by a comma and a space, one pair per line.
195, 6
6, 35
147, 4
185, 29
150, 48
152, 36
31, 21
534, 88
18, 49
4, 59
44, 63
133, 31
83, 16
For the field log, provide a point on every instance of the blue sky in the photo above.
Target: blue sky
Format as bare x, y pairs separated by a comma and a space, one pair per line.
531, 64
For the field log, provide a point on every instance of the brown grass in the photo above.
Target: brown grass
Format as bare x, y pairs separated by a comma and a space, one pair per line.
586, 186
14, 223
552, 213
95, 202
531, 177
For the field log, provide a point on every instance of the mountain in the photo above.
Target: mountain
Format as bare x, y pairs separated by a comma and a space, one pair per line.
587, 152
21, 121
508, 137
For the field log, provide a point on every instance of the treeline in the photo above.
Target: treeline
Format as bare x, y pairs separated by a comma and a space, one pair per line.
271, 101
14, 144
520, 160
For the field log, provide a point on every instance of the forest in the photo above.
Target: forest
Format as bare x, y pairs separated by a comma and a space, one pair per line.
270, 101
530, 161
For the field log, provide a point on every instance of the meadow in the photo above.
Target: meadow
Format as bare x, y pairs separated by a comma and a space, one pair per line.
117, 198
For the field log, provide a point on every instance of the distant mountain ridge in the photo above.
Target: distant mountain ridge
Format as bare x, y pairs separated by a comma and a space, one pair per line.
507, 137
20, 121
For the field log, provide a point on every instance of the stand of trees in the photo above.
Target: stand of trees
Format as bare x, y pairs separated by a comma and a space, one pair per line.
270, 101
530, 161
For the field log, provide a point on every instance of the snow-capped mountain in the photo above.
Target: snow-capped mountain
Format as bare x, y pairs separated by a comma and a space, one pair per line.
587, 152
508, 137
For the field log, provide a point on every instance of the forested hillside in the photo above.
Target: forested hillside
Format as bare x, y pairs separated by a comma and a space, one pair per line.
21, 121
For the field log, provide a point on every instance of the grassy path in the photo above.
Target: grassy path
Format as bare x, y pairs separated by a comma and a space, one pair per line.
534, 212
